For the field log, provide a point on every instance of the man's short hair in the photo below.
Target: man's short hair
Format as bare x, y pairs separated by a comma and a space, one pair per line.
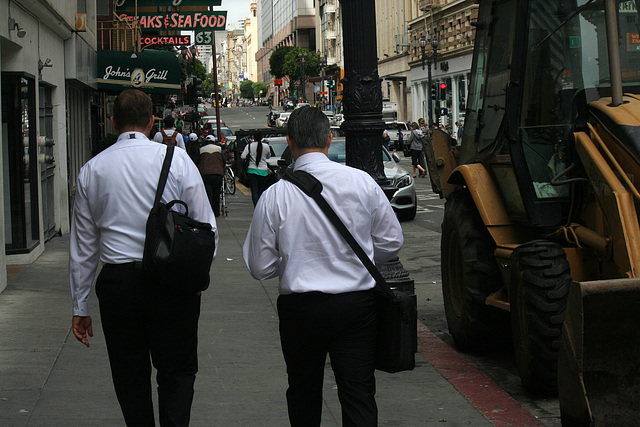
308, 127
169, 121
132, 109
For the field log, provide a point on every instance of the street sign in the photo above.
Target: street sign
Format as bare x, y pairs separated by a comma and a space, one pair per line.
204, 37
180, 21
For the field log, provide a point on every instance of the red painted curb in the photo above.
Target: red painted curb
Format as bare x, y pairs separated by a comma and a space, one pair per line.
493, 402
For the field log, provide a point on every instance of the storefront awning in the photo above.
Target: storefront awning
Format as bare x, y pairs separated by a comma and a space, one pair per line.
151, 71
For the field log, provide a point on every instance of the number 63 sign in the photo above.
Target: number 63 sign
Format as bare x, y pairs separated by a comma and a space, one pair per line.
204, 37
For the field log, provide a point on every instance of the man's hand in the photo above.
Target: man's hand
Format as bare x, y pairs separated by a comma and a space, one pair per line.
81, 326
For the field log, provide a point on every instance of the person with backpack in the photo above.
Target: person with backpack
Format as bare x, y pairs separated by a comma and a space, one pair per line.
257, 171
168, 134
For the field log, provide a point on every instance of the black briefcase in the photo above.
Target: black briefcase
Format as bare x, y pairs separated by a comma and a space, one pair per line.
397, 331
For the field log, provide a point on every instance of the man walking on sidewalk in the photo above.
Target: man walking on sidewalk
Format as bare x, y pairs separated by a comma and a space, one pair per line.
326, 302
143, 316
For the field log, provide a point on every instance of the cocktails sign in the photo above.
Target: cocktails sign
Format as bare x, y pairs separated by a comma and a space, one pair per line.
180, 21
165, 40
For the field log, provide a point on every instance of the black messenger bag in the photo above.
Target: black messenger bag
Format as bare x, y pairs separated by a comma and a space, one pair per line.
177, 248
397, 312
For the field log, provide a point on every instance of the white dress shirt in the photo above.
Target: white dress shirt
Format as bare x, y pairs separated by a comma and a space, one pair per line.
292, 238
180, 142
113, 199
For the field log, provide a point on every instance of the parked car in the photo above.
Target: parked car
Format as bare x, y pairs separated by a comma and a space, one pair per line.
288, 105
403, 201
336, 131
331, 116
272, 117
278, 144
211, 128
282, 120
202, 109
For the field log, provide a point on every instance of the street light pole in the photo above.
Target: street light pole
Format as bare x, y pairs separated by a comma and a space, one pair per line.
429, 58
362, 93
303, 59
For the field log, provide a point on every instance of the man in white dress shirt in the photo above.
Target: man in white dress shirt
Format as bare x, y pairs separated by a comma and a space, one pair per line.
143, 317
326, 302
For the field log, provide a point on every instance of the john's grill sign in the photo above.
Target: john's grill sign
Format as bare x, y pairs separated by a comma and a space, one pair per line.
150, 71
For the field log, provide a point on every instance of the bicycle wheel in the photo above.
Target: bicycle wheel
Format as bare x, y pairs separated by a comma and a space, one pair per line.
223, 202
229, 183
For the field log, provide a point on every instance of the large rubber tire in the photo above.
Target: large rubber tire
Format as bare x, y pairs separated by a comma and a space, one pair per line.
469, 275
541, 278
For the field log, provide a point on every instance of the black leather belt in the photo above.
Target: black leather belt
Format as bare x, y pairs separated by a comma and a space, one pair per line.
136, 265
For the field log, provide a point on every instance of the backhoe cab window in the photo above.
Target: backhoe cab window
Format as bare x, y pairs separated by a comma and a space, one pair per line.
567, 62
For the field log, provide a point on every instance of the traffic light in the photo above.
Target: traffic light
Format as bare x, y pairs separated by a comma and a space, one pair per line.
332, 83
443, 91
433, 91
190, 94
197, 84
444, 111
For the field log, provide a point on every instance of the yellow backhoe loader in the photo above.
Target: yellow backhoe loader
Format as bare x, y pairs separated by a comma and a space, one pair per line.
541, 230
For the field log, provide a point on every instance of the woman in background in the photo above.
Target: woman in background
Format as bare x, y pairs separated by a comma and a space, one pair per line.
258, 152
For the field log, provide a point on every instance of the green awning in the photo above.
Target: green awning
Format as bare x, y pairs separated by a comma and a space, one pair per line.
151, 71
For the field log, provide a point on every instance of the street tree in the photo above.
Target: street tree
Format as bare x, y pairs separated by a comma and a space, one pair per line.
259, 89
277, 59
246, 89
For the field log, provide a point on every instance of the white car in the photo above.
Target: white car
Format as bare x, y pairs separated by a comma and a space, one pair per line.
281, 121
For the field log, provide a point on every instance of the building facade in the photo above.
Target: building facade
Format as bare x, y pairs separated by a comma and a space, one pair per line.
283, 23
47, 64
448, 22
394, 50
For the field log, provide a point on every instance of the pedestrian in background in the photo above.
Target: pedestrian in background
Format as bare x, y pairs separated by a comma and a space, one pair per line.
326, 303
385, 139
258, 152
169, 132
145, 318
211, 167
414, 141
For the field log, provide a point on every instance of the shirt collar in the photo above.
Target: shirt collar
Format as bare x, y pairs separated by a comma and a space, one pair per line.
313, 157
132, 135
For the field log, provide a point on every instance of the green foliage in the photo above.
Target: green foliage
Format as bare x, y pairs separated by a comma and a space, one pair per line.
277, 60
293, 64
246, 89
259, 87
208, 86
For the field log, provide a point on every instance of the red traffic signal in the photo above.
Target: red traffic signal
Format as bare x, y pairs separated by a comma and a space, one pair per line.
443, 86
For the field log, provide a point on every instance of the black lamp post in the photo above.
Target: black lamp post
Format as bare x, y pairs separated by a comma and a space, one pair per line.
362, 90
303, 62
322, 63
433, 57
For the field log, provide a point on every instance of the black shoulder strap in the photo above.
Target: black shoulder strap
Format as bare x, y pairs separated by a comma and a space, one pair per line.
166, 165
312, 188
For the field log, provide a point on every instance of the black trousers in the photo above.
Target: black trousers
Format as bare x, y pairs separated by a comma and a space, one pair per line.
344, 326
258, 184
145, 321
213, 186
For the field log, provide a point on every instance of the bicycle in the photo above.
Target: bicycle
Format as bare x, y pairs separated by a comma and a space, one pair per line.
224, 210
229, 180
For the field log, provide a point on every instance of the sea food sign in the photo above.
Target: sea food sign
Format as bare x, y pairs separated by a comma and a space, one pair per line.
180, 21
151, 71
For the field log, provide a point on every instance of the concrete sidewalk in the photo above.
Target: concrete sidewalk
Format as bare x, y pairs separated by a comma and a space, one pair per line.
47, 378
